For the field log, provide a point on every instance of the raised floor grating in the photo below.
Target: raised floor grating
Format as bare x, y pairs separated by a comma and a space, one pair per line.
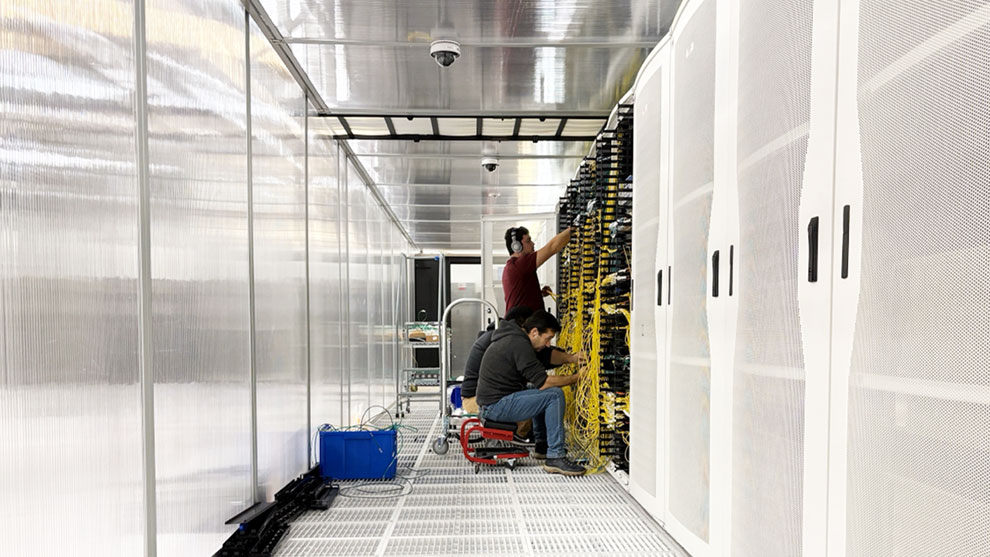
438, 506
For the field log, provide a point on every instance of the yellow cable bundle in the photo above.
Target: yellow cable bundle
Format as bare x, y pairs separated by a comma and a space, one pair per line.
583, 416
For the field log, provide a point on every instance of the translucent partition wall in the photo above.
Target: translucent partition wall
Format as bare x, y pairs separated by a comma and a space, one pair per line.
69, 368
327, 281
197, 119
278, 178
373, 231
358, 292
228, 161
381, 328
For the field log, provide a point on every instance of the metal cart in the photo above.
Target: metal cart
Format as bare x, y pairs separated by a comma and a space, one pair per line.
440, 446
409, 378
418, 334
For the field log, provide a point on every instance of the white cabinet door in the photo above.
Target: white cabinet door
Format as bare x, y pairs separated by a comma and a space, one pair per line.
645, 372
661, 311
692, 180
766, 252
911, 337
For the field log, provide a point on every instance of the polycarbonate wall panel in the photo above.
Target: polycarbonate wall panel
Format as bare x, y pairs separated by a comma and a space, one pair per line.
768, 399
392, 311
70, 403
327, 289
199, 231
374, 301
358, 208
278, 174
918, 414
690, 361
384, 302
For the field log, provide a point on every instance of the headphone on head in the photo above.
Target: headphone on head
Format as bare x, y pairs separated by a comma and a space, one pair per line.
516, 246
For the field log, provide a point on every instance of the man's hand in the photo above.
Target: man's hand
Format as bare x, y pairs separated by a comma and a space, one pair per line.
580, 358
547, 291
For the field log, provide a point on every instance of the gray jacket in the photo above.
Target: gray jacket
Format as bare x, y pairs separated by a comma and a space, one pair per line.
508, 365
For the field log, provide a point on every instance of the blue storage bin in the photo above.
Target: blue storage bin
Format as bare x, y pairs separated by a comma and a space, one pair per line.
455, 396
354, 455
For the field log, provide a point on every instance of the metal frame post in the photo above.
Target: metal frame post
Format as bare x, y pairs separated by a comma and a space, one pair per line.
147, 375
252, 358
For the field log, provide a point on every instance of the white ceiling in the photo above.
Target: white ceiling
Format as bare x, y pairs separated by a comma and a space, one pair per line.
541, 58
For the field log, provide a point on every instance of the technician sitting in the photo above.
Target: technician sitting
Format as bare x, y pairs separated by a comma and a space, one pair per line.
472, 367
550, 358
511, 362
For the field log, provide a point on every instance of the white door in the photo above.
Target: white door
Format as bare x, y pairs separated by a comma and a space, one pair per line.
688, 399
911, 337
769, 90
645, 376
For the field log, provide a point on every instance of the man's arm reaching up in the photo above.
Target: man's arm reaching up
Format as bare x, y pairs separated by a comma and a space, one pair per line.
554, 246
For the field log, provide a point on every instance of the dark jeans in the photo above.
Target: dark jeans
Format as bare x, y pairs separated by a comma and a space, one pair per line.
545, 407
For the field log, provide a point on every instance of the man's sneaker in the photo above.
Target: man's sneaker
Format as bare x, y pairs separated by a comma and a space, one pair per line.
563, 466
522, 441
539, 452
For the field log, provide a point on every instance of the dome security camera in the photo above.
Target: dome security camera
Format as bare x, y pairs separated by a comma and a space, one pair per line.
445, 51
489, 164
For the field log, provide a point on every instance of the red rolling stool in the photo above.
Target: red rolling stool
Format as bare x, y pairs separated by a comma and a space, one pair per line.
489, 429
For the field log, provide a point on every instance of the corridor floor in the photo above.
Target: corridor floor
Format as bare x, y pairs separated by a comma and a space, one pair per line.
439, 506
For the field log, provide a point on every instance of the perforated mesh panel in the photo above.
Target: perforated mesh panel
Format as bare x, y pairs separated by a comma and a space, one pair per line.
768, 389
919, 414
690, 371
646, 220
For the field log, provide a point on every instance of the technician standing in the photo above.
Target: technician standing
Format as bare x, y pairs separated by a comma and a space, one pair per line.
519, 281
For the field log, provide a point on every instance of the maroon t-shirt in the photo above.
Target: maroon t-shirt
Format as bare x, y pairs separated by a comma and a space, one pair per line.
520, 283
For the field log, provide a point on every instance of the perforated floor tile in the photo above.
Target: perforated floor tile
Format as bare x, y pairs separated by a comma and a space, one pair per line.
445, 508
311, 548
502, 545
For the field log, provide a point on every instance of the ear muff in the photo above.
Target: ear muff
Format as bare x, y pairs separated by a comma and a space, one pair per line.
516, 246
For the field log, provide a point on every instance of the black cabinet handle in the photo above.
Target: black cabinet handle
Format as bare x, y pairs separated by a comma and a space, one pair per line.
715, 274
670, 283
660, 287
813, 250
845, 242
732, 256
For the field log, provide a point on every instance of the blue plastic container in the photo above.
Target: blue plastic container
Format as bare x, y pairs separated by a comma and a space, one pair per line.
358, 455
455, 396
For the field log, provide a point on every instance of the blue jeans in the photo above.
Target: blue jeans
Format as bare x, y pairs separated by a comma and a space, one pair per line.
545, 407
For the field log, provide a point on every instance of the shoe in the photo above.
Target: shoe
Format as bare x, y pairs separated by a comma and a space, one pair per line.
539, 452
522, 441
563, 466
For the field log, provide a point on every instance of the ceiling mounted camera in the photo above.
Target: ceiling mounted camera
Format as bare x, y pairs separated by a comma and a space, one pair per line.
489, 164
445, 51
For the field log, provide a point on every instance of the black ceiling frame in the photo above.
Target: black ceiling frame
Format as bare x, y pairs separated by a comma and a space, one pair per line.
479, 134
427, 137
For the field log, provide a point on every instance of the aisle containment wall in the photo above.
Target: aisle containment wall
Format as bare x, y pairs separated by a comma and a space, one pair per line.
265, 259
816, 279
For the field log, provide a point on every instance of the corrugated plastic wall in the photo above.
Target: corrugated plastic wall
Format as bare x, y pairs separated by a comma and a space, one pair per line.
229, 151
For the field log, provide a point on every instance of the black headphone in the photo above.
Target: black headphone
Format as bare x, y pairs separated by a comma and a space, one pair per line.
516, 246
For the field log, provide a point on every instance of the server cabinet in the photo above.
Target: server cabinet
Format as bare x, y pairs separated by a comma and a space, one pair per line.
911, 339
648, 365
689, 383
765, 67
